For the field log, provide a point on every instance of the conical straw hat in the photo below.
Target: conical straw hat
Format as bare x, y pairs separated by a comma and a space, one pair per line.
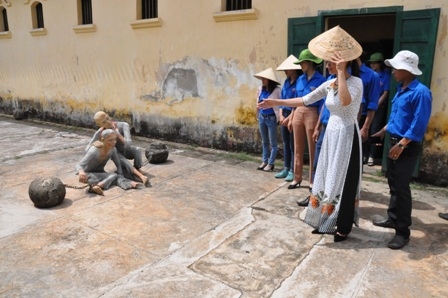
267, 74
289, 64
335, 40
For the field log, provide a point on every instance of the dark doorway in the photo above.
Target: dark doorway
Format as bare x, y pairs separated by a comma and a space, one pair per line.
375, 33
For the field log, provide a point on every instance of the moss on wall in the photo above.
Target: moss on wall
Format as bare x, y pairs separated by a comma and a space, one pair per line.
246, 115
434, 163
437, 132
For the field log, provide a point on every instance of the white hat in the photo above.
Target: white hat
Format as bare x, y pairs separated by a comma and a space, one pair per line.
289, 64
405, 60
267, 74
335, 40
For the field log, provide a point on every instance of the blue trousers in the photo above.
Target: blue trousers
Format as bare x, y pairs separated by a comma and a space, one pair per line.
268, 131
288, 144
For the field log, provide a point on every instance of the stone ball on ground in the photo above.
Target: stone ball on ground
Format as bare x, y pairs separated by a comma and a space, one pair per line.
46, 192
157, 153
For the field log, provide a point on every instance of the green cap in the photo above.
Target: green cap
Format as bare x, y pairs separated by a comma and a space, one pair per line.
306, 55
376, 57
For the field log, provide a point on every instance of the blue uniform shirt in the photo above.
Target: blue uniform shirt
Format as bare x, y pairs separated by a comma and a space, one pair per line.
324, 115
324, 112
304, 86
384, 81
411, 110
371, 91
263, 95
288, 91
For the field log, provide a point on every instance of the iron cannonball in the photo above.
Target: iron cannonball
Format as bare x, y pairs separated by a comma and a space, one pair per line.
46, 192
157, 153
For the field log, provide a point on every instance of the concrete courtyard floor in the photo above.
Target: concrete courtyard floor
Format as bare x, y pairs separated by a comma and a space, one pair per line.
210, 226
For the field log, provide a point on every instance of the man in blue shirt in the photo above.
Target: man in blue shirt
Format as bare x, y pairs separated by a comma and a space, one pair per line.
408, 120
370, 97
377, 64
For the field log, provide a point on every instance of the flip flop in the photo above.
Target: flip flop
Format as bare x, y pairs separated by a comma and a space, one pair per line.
96, 189
145, 180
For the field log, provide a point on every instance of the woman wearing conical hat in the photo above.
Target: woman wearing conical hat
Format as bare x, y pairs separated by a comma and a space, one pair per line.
289, 88
333, 206
268, 118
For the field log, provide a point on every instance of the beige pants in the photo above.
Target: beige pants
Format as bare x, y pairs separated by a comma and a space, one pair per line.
303, 123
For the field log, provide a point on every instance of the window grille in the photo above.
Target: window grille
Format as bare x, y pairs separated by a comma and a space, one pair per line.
238, 4
86, 8
39, 16
5, 20
149, 9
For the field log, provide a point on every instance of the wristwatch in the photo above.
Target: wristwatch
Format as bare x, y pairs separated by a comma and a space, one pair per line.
401, 145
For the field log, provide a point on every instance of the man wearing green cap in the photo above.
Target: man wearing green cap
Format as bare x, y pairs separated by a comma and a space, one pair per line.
376, 62
370, 97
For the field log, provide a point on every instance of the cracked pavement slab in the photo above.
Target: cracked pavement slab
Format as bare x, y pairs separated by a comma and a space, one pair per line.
210, 226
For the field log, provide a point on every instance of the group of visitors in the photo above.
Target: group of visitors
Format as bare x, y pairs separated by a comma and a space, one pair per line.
338, 117
112, 141
342, 118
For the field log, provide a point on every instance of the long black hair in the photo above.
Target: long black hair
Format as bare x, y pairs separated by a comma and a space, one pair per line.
271, 86
354, 68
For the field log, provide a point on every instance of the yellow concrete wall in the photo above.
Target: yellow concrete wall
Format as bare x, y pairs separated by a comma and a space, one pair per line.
124, 70
117, 65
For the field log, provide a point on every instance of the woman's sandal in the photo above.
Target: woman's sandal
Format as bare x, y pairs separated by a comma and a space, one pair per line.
96, 189
262, 166
294, 185
316, 231
269, 168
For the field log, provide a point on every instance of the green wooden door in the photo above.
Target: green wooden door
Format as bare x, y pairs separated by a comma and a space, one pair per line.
416, 31
300, 32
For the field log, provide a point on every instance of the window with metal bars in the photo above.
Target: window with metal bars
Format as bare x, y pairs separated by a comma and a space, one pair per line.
149, 9
4, 20
86, 12
39, 16
238, 4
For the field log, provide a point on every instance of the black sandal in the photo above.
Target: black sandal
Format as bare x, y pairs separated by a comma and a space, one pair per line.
262, 166
269, 168
295, 185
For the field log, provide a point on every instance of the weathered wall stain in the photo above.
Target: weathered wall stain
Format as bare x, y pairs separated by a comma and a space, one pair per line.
189, 131
443, 31
181, 83
434, 163
245, 115
436, 135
